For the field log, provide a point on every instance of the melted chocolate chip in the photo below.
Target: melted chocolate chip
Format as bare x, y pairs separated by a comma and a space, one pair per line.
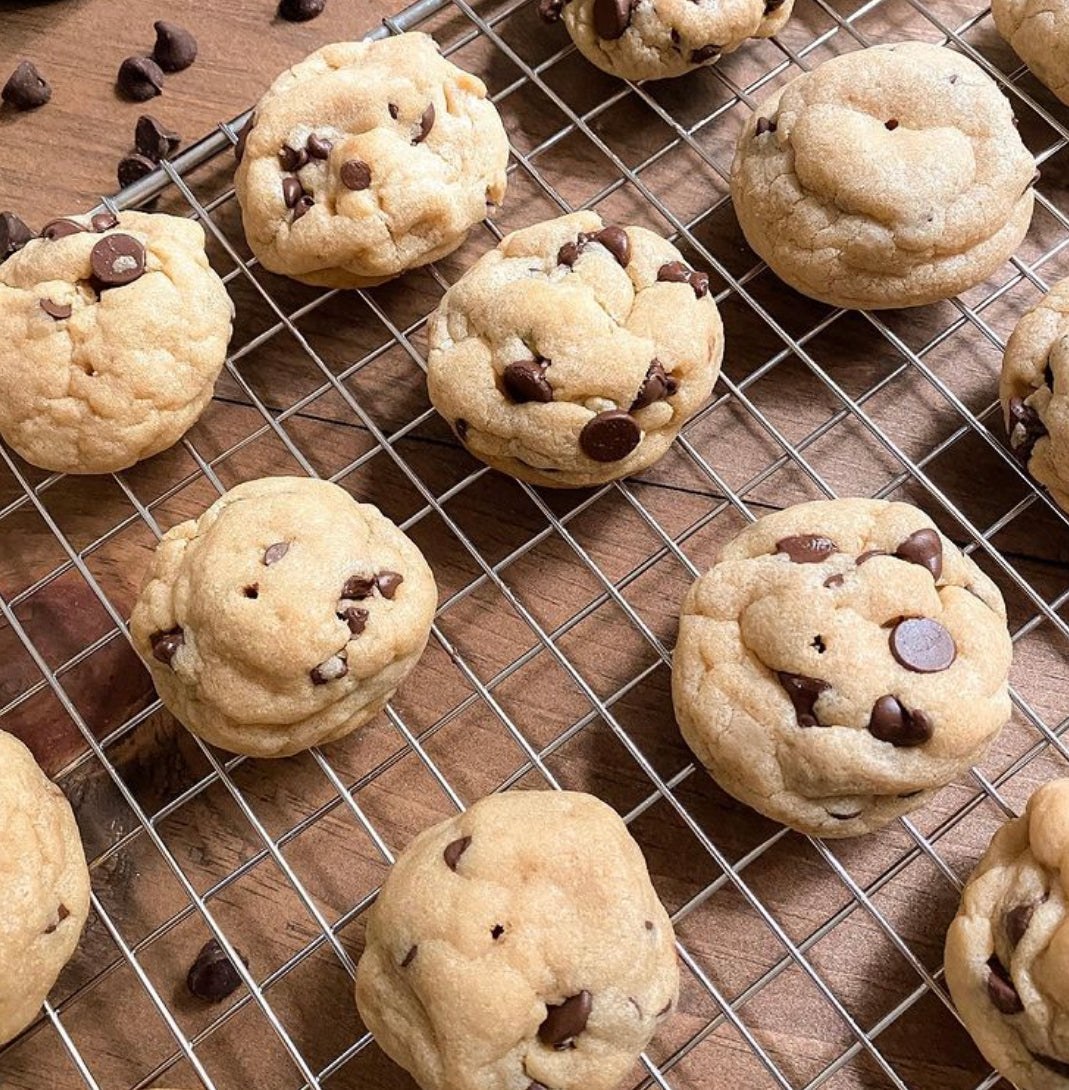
175, 49
302, 206
869, 554
764, 125
891, 722
568, 254
922, 645
1000, 988
925, 547
610, 436
154, 140
355, 174
426, 123
14, 234
388, 582
355, 618
274, 553
330, 669
166, 644
59, 311
292, 159
615, 240
104, 221
212, 975
318, 147
61, 228
139, 78
117, 260
358, 587
656, 386
454, 850
1025, 428
807, 548
62, 913
292, 190
834, 581
565, 1021
675, 272
409, 957
611, 18
803, 693
1017, 919
525, 380
26, 88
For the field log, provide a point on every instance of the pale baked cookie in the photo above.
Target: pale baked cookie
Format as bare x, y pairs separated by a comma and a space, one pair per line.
1007, 951
841, 663
284, 617
113, 331
655, 39
1034, 390
888, 177
44, 885
367, 159
1038, 30
572, 353
519, 945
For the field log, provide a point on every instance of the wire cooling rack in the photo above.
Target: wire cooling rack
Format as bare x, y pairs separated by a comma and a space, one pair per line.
805, 964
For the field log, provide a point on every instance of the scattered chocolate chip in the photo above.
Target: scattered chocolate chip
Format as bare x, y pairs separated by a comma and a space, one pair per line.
302, 206
117, 260
803, 693
300, 11
59, 311
656, 386
891, 124
175, 47
355, 618
869, 554
1059, 1067
610, 436
243, 138
525, 380
496, 931
460, 425
549, 11
357, 587
407, 960
62, 913
454, 850
104, 221
292, 190
611, 18
26, 88
274, 553
1000, 989
61, 228
922, 645
764, 125
426, 123
676, 272
615, 240
565, 1021
139, 78
394, 109
1016, 921
355, 174
925, 547
388, 582
834, 581
166, 644
212, 975
807, 548
292, 159
330, 669
133, 167
891, 722
1025, 428
318, 147
154, 140
705, 53
14, 234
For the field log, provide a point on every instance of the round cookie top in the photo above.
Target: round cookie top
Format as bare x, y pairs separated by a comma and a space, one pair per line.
1034, 390
841, 659
572, 353
1039, 33
640, 39
892, 176
44, 884
367, 159
285, 616
518, 944
1007, 953
113, 330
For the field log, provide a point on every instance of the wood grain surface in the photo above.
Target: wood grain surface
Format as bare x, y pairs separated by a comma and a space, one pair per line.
273, 846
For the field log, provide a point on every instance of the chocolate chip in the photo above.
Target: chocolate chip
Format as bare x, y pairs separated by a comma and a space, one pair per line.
329, 669
426, 123
649, 925
252, 590
302, 206
610, 436
869, 554
166, 644
407, 960
357, 587
925, 547
568, 254
454, 850
59, 311
62, 913
615, 240
133, 167
891, 124
1059, 1067
611, 18
117, 260
818, 643
764, 125
565, 1021
388, 582
394, 109
212, 975
807, 548
139, 78
243, 139
525, 380
496, 931
104, 221
355, 618
292, 190
154, 140
549, 11
318, 147
1016, 921
1000, 989
705, 53
274, 553
300, 11
26, 88
656, 386
175, 47
355, 174
1025, 428
834, 581
14, 234
292, 159
675, 272
922, 645
61, 228
891, 722
803, 693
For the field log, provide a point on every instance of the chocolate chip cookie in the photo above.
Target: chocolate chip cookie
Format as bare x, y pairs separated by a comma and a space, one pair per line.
643, 39
840, 663
519, 945
367, 159
573, 352
1033, 389
1039, 33
284, 617
1007, 951
888, 177
113, 330
44, 886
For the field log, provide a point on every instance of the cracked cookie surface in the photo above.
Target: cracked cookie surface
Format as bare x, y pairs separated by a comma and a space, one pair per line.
366, 159
520, 944
1034, 390
44, 883
840, 663
888, 177
643, 39
1038, 31
284, 617
573, 352
113, 331
1007, 951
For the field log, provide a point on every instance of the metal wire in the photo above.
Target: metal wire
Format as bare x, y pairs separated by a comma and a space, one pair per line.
849, 30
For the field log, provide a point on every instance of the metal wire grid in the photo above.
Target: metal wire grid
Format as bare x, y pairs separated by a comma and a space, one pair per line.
865, 1039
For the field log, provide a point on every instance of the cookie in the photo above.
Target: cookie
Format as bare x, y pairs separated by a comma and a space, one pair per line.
1007, 951
643, 39
839, 664
573, 352
519, 945
113, 330
1033, 389
44, 885
367, 159
1039, 34
284, 617
888, 177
